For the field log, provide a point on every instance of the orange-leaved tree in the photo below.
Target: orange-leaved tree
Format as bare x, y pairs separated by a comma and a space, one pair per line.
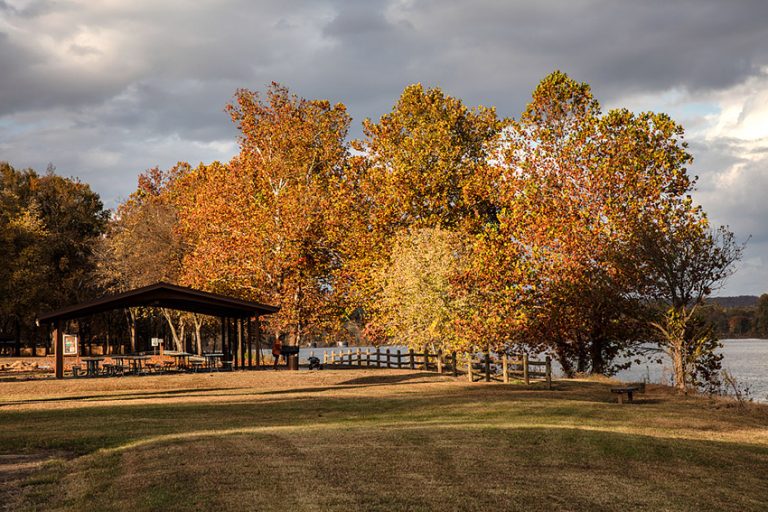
570, 186
259, 226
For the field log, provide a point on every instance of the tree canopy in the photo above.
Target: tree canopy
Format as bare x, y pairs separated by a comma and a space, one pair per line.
49, 226
568, 230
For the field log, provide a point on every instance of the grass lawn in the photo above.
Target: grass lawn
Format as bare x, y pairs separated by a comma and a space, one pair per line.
371, 440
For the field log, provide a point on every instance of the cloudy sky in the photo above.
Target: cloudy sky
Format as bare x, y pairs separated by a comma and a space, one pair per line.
106, 89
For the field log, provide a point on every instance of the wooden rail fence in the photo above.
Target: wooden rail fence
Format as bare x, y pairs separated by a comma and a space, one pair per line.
497, 367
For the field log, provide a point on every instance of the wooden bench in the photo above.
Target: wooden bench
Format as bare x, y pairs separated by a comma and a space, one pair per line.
628, 390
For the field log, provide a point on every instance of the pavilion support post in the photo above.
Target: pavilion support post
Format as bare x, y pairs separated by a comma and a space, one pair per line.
236, 341
249, 337
243, 343
58, 346
257, 329
223, 339
240, 345
231, 343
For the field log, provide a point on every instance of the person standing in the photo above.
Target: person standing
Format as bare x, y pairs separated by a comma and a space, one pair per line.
277, 348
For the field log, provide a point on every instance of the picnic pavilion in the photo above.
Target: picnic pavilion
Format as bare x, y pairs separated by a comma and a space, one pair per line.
240, 323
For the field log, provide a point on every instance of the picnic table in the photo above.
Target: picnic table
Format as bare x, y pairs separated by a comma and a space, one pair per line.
626, 390
119, 364
182, 358
136, 362
92, 365
196, 362
212, 359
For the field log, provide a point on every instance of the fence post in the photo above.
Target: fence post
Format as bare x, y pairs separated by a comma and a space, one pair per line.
487, 365
378, 357
505, 367
413, 359
389, 361
526, 377
359, 358
367, 357
399, 360
469, 368
453, 364
439, 360
426, 358
349, 355
325, 358
549, 372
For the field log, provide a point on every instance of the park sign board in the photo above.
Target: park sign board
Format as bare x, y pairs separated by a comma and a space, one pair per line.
70, 345
156, 342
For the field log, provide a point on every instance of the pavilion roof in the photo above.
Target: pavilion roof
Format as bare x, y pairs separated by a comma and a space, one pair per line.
166, 296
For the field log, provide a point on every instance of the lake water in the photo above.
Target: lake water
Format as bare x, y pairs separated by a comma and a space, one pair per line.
746, 359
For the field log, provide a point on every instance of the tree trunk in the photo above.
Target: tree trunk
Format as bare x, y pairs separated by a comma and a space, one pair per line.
673, 331
596, 356
176, 342
198, 323
132, 328
582, 356
182, 336
562, 357
678, 363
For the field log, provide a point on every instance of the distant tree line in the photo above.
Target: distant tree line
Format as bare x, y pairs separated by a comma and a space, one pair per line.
567, 230
747, 321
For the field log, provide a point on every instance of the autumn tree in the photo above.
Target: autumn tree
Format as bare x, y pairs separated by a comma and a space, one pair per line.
48, 225
683, 261
259, 226
569, 186
418, 303
416, 171
142, 245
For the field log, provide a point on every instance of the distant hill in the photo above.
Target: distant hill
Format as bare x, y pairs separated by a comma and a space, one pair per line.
740, 301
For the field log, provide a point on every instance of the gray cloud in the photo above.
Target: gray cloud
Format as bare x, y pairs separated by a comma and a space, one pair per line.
105, 91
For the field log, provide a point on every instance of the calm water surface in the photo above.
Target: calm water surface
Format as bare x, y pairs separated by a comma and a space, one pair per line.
746, 359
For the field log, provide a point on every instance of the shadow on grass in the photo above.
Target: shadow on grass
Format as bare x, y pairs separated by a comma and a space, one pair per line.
375, 380
171, 393
488, 392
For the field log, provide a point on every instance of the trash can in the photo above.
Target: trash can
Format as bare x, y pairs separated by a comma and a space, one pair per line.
291, 354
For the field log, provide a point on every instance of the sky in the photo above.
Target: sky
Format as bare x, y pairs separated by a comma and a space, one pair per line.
104, 90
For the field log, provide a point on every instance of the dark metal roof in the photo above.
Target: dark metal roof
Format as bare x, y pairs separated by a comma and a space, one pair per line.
166, 296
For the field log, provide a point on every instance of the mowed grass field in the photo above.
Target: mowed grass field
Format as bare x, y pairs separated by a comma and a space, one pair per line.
372, 440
